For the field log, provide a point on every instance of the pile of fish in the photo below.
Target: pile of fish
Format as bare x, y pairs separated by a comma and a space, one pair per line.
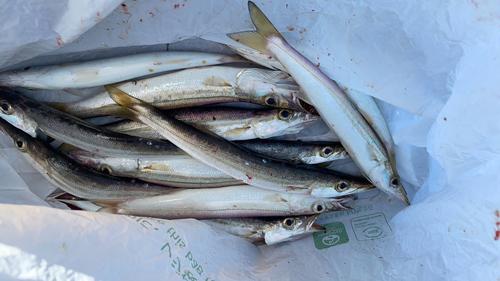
179, 154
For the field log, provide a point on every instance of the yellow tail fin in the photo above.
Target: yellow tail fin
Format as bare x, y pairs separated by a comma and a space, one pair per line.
256, 39
120, 97
126, 101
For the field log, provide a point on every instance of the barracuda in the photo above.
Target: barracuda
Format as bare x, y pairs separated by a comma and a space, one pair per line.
229, 123
296, 152
197, 87
262, 230
109, 71
332, 104
226, 202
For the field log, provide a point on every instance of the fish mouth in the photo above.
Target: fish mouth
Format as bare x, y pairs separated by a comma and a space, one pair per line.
307, 107
347, 198
310, 225
303, 120
359, 187
297, 104
401, 195
316, 227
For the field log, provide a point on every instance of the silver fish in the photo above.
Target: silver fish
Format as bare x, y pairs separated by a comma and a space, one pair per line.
174, 170
226, 202
328, 99
196, 87
232, 160
268, 231
296, 152
371, 112
72, 177
109, 71
229, 123
32, 116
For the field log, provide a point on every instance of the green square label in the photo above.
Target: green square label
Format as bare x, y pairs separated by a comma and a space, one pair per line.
335, 234
370, 227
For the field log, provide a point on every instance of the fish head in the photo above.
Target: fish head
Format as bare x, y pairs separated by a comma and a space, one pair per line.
324, 153
33, 149
272, 88
340, 187
15, 109
389, 182
282, 122
292, 228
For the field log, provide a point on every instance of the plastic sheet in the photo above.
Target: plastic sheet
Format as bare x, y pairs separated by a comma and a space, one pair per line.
432, 65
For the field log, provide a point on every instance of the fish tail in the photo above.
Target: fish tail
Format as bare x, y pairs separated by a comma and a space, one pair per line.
10, 79
127, 102
65, 147
122, 98
256, 39
61, 106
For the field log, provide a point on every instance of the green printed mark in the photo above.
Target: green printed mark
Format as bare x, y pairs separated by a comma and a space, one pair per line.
369, 227
335, 234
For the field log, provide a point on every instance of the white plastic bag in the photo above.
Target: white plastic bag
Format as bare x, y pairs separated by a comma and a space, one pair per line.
434, 66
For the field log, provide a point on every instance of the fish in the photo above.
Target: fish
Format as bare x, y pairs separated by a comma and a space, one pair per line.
370, 110
33, 117
226, 202
235, 161
296, 152
329, 100
196, 87
262, 230
109, 71
72, 177
268, 231
174, 170
229, 123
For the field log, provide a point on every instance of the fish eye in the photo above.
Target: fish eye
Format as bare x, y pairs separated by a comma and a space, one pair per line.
5, 107
319, 207
395, 182
341, 186
271, 100
106, 169
284, 114
289, 223
21, 144
327, 151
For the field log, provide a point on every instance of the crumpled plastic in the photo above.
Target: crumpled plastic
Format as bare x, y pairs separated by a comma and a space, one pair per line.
432, 66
